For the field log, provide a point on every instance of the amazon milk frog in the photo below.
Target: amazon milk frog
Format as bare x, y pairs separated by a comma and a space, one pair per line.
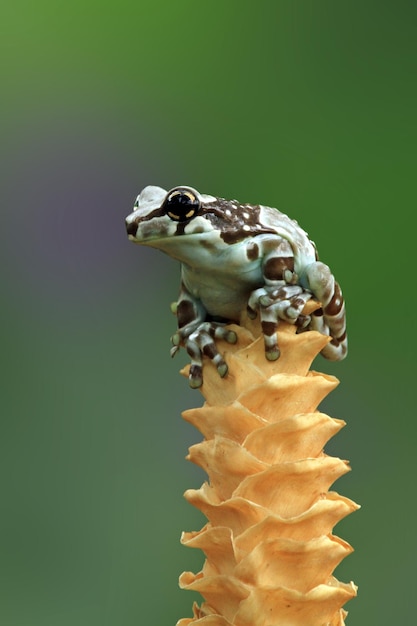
235, 256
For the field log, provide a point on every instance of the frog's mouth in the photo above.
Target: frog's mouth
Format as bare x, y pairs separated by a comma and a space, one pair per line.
149, 229
155, 230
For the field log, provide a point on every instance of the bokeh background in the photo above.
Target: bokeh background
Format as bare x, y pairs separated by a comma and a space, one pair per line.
309, 106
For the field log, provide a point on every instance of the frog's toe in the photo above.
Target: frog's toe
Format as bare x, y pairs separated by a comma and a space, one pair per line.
174, 350
222, 332
209, 348
222, 369
273, 355
303, 322
290, 308
291, 278
217, 360
254, 304
269, 329
176, 340
195, 377
296, 305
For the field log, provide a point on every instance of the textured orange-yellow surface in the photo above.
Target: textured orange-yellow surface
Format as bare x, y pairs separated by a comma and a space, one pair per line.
269, 543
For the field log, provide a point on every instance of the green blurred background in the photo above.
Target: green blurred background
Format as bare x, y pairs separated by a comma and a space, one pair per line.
309, 106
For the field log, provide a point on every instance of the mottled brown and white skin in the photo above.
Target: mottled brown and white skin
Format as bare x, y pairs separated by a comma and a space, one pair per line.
234, 257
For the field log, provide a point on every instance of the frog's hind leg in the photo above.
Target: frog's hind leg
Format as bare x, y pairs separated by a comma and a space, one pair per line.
331, 318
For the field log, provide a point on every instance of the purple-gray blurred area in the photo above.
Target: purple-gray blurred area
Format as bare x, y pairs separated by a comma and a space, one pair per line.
71, 181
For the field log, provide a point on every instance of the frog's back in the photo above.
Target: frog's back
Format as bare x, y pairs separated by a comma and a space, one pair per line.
304, 249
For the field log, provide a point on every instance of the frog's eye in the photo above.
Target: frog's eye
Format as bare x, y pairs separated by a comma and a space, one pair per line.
181, 204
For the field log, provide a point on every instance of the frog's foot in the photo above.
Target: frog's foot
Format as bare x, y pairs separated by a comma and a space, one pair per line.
281, 303
200, 343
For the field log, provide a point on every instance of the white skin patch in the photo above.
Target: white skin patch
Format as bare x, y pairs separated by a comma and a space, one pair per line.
198, 225
156, 228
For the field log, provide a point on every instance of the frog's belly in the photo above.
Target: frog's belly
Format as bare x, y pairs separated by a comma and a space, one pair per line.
228, 305
222, 294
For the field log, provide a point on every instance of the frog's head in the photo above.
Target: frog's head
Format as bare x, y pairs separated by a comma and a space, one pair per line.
158, 214
161, 218
189, 225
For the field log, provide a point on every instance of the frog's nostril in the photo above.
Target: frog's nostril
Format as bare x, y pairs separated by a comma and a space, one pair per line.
132, 228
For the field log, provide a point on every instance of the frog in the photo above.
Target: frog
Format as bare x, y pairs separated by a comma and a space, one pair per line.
237, 257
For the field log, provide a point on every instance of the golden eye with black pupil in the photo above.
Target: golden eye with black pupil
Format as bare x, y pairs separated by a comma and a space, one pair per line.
181, 204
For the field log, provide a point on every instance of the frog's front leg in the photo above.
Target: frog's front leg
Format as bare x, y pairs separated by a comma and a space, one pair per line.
281, 298
331, 318
197, 336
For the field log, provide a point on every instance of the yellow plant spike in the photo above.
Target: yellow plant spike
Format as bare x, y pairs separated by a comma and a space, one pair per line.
269, 547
